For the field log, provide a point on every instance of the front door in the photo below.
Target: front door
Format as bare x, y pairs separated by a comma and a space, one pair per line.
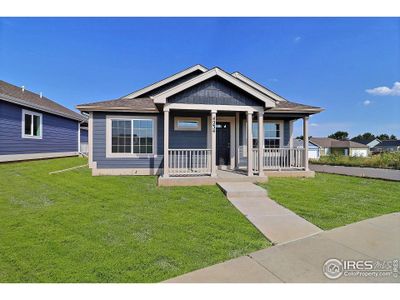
223, 143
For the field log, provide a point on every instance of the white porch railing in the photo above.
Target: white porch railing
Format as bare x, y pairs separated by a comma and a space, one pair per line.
280, 158
184, 162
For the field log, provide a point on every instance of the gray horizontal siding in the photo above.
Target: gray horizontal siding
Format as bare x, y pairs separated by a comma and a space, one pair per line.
58, 134
215, 91
84, 136
99, 146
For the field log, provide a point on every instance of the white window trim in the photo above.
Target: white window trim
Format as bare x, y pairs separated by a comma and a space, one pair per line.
109, 153
177, 119
31, 136
244, 129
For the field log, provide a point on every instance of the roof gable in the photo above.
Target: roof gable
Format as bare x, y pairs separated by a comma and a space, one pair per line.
162, 97
147, 91
258, 86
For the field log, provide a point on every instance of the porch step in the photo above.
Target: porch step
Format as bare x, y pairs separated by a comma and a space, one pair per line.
241, 189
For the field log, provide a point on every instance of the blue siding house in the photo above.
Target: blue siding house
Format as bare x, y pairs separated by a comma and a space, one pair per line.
194, 124
35, 127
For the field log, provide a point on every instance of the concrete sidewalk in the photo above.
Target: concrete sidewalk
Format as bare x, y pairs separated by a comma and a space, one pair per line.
277, 223
302, 260
375, 173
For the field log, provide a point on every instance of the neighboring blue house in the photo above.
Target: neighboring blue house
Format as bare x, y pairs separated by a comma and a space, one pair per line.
196, 122
35, 127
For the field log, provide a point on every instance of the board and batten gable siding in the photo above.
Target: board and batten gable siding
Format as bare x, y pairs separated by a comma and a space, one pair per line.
99, 145
59, 134
215, 91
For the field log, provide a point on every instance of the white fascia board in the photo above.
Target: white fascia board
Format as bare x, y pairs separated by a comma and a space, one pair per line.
165, 81
162, 97
258, 86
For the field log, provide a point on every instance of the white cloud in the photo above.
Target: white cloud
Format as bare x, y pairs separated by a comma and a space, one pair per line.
297, 39
314, 124
367, 102
385, 91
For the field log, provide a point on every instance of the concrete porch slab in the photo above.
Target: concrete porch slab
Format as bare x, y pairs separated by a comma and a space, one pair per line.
241, 189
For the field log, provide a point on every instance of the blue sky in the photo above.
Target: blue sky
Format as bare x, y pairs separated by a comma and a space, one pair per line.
327, 62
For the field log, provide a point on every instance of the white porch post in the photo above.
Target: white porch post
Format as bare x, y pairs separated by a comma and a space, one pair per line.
79, 138
260, 143
213, 143
249, 143
166, 142
305, 142
237, 152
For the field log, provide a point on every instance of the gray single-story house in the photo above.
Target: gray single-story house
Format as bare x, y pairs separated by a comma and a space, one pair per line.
331, 146
35, 127
194, 123
371, 143
387, 146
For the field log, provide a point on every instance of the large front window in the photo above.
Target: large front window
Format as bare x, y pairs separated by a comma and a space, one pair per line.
272, 134
132, 136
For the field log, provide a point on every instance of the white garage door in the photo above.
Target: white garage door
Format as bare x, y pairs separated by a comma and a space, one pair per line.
313, 153
359, 152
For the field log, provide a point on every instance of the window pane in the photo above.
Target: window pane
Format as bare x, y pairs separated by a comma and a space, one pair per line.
36, 125
143, 136
121, 136
188, 124
28, 123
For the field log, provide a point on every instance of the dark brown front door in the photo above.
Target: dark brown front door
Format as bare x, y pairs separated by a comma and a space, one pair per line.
223, 143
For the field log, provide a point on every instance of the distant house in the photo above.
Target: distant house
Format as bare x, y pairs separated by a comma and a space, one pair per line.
35, 127
331, 146
387, 146
313, 149
369, 142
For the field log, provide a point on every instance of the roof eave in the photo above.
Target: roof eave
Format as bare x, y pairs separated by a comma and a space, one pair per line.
157, 84
39, 107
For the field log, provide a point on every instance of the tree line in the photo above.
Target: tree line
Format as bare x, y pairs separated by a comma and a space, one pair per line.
344, 136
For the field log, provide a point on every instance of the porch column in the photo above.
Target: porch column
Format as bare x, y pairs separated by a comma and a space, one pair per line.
305, 142
213, 143
249, 115
260, 143
166, 142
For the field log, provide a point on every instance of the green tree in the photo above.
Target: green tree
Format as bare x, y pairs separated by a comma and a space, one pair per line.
339, 135
393, 137
383, 137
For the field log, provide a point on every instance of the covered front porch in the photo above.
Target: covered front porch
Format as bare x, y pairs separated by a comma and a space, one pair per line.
205, 143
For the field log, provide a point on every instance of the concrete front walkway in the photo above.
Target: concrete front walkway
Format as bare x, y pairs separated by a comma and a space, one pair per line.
376, 173
376, 239
276, 222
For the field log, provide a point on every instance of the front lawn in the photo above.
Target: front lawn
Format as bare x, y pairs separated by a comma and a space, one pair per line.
72, 227
329, 201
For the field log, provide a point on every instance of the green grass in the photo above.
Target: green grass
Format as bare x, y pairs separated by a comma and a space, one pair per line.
72, 227
386, 160
329, 201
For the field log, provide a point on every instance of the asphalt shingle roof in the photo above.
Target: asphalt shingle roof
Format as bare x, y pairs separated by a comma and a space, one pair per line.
15, 94
136, 104
332, 143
